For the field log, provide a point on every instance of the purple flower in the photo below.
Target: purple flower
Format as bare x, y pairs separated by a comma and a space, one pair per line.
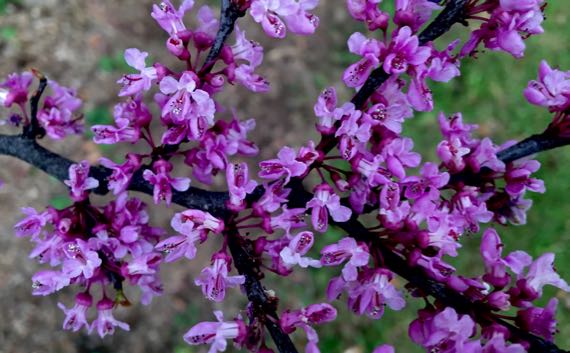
286, 165
214, 280
498, 344
59, 123
239, 185
552, 89
414, 13
80, 181
314, 314
541, 272
121, 176
495, 266
303, 22
398, 156
168, 17
105, 323
47, 282
353, 131
236, 136
369, 49
451, 153
325, 203
81, 260
76, 317
431, 180
163, 183
287, 220
485, 155
245, 75
324, 109
33, 223
135, 83
267, 13
404, 51
346, 249
215, 333
293, 253
445, 331
518, 178
246, 49
109, 134
540, 321
15, 89
367, 11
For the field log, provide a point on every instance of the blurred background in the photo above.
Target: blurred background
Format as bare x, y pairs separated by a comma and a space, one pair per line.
80, 44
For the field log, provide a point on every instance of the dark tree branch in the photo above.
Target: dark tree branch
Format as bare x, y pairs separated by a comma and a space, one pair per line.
229, 14
33, 129
531, 145
256, 293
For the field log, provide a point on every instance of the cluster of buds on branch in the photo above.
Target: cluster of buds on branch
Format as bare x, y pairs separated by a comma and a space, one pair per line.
398, 222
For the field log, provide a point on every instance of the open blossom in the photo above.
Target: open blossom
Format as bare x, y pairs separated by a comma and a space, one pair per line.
269, 13
216, 333
326, 203
105, 323
76, 317
136, 83
286, 165
385, 348
414, 13
121, 176
15, 89
368, 12
369, 49
239, 184
293, 253
552, 89
33, 223
79, 181
347, 249
163, 183
404, 51
314, 314
540, 321
81, 260
170, 18
215, 279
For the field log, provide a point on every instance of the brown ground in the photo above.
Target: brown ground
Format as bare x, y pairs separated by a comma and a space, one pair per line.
66, 39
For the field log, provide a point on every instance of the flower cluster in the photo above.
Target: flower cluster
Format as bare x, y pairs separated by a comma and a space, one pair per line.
364, 168
56, 113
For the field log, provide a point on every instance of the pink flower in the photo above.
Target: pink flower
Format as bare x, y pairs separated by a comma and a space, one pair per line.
214, 280
239, 184
367, 11
47, 282
80, 181
518, 178
81, 260
314, 314
385, 348
404, 51
215, 333
33, 223
135, 83
346, 249
326, 202
267, 13
372, 291
303, 22
76, 317
168, 17
121, 176
540, 321
15, 89
286, 165
163, 183
105, 323
324, 109
552, 89
293, 253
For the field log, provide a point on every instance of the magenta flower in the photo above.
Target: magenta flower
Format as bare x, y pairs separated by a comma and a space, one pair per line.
33, 223
485, 155
292, 254
76, 317
168, 17
347, 249
136, 83
81, 260
121, 176
324, 110
540, 321
398, 156
215, 279
414, 13
404, 51
105, 323
80, 181
267, 13
236, 137
325, 203
518, 178
47, 282
367, 11
451, 153
431, 180
369, 49
163, 183
552, 89
314, 314
498, 344
303, 22
541, 272
109, 134
216, 333
15, 89
239, 185
354, 132
286, 165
